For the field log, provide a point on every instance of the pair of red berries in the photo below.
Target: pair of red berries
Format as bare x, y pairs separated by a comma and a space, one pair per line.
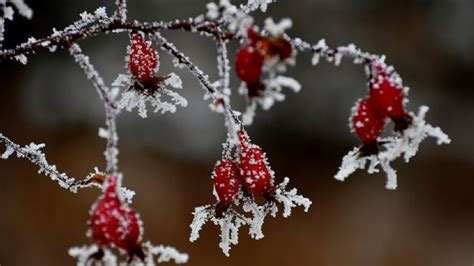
251, 57
251, 174
143, 63
113, 223
385, 100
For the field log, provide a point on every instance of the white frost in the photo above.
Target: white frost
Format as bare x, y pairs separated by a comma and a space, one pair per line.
405, 144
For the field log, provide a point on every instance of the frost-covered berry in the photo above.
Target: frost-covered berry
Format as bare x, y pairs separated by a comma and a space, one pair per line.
367, 124
248, 64
114, 223
270, 46
227, 182
254, 169
387, 99
143, 59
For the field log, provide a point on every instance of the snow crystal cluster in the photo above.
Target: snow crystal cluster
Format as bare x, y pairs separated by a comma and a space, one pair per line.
7, 12
274, 85
85, 255
403, 144
133, 98
232, 220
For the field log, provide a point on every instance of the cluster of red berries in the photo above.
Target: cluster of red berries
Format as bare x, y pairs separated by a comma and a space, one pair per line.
143, 63
251, 57
385, 100
114, 223
249, 174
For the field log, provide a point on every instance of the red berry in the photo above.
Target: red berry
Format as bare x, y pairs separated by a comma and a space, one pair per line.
249, 64
227, 181
387, 99
113, 222
367, 124
256, 174
143, 59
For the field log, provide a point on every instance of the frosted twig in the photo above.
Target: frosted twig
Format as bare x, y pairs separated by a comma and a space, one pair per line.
111, 112
33, 153
333, 54
196, 71
64, 37
121, 12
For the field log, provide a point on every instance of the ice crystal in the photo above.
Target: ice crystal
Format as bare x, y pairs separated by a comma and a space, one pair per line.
402, 144
232, 220
229, 225
9, 151
134, 98
164, 253
253, 5
290, 199
83, 255
277, 29
271, 94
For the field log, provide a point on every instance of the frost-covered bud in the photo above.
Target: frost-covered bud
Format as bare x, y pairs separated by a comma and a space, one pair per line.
143, 59
114, 223
227, 183
256, 173
367, 124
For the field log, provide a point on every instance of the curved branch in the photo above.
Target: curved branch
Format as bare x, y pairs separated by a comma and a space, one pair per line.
68, 36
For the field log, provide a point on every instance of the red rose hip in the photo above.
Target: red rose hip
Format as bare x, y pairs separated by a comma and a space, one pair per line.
143, 59
248, 64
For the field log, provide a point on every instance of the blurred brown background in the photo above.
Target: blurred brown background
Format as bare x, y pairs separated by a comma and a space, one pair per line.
167, 159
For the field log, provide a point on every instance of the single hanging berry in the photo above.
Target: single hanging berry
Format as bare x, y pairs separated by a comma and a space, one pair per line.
113, 222
227, 183
368, 126
254, 169
143, 60
248, 64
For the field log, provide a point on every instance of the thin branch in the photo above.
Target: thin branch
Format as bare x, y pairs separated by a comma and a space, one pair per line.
106, 26
111, 110
333, 54
33, 153
197, 72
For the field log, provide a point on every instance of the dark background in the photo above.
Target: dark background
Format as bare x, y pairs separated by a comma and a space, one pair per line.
167, 159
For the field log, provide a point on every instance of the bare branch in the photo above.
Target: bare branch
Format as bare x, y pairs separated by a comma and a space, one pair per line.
111, 111
33, 153
68, 36
197, 72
